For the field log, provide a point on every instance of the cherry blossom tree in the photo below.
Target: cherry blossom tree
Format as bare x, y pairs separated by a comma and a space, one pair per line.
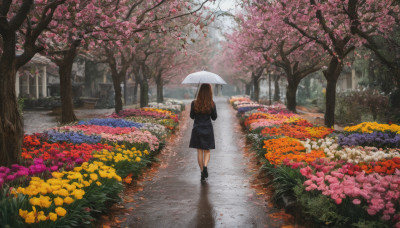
78, 27
150, 17
327, 23
18, 30
246, 50
297, 56
377, 23
323, 23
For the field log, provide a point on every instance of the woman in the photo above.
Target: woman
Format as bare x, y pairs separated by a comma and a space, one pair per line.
202, 111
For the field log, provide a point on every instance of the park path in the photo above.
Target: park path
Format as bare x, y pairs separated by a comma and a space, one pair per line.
175, 197
39, 121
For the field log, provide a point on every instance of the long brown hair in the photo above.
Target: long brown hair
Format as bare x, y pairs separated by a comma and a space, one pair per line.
204, 102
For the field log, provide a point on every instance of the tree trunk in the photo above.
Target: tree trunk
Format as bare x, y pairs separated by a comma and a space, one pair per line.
331, 75
277, 96
330, 103
291, 93
135, 92
144, 93
256, 84
160, 91
118, 92
11, 123
67, 106
248, 89
125, 91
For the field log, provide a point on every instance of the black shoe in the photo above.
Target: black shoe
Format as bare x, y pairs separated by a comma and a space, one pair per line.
205, 172
202, 177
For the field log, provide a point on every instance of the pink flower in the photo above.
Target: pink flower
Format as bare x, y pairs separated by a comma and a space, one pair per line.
337, 174
311, 187
306, 171
356, 201
371, 211
338, 200
308, 182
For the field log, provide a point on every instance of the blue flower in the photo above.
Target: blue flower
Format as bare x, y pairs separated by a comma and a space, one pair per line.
72, 137
111, 123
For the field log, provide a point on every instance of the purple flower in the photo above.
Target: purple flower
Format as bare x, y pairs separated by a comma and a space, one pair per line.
15, 167
4, 170
54, 168
22, 172
11, 177
79, 161
38, 161
37, 168
1, 182
376, 139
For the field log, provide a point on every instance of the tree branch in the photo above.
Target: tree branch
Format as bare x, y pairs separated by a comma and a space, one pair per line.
20, 16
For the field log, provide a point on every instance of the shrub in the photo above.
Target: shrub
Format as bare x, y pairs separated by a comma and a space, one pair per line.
351, 106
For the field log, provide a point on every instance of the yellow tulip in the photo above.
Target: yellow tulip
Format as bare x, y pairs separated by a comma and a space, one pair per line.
23, 213
57, 174
41, 216
68, 200
30, 218
58, 201
53, 216
61, 211
34, 201
93, 176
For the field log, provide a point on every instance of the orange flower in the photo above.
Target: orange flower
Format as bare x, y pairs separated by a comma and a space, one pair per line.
128, 179
384, 167
288, 148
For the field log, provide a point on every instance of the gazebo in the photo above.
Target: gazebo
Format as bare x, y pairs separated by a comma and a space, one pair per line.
33, 84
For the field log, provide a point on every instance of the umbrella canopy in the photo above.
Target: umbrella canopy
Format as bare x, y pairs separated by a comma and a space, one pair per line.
202, 77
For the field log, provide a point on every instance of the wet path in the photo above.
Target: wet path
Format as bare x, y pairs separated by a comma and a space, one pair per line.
175, 196
39, 121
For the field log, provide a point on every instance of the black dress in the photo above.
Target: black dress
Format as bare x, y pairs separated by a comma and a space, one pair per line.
203, 132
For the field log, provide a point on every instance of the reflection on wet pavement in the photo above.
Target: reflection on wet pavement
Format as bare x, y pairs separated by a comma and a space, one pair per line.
204, 216
175, 196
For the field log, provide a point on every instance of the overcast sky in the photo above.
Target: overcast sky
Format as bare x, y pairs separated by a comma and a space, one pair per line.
225, 5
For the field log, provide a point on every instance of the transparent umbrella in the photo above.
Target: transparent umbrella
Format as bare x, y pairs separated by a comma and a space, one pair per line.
202, 77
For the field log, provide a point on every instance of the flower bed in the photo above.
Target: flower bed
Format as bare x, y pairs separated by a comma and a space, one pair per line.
69, 175
344, 179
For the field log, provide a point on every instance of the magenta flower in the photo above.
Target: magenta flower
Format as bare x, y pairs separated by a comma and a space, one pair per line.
4, 169
11, 177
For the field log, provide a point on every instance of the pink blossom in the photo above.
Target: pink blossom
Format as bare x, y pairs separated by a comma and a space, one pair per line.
356, 201
307, 172
338, 200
